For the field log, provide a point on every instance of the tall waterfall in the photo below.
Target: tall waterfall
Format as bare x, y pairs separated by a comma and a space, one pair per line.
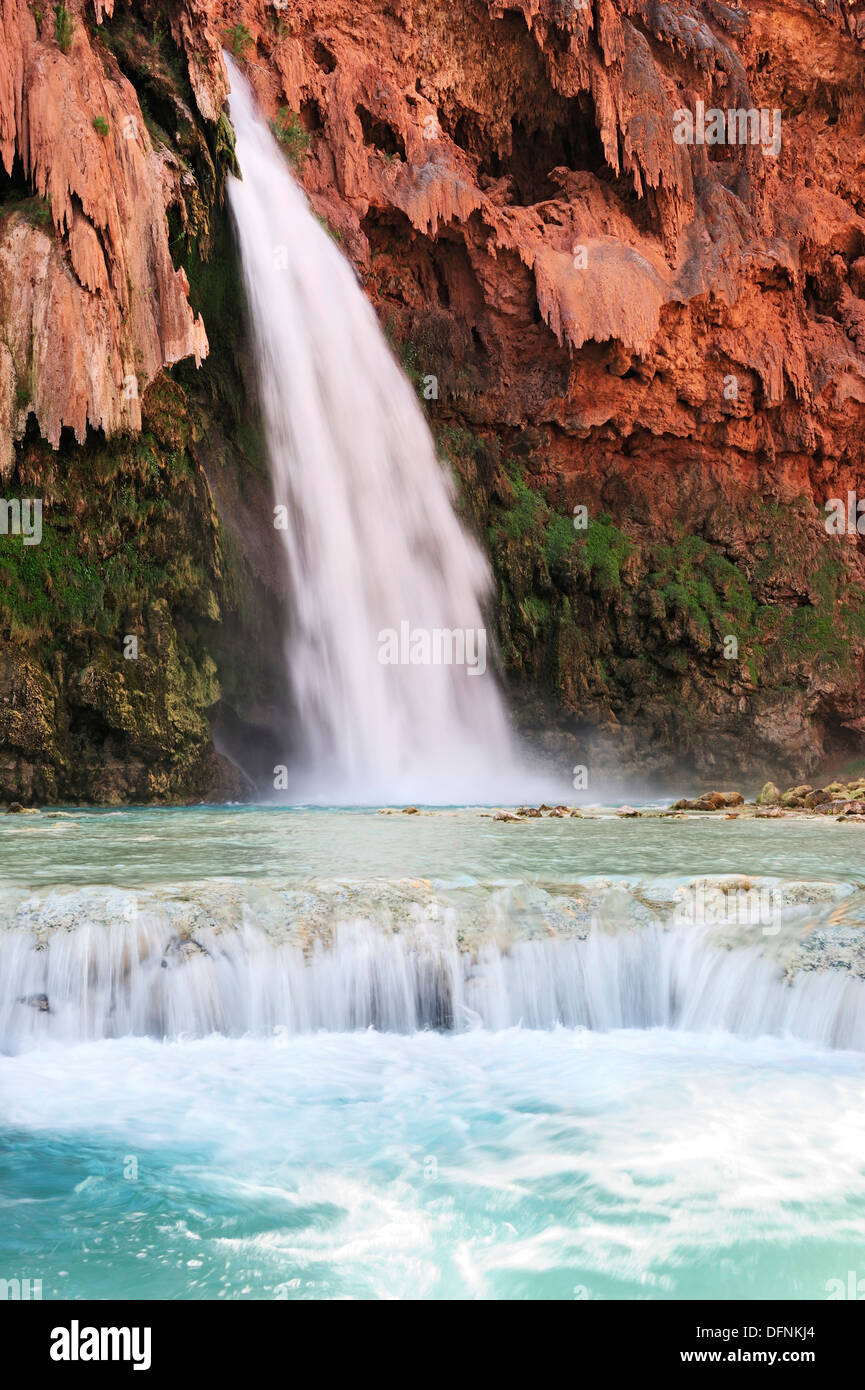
371, 542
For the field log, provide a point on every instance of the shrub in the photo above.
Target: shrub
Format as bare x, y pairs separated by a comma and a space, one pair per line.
64, 27
239, 38
292, 135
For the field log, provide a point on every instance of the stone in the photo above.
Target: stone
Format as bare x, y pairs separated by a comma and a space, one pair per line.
817, 798
795, 796
770, 795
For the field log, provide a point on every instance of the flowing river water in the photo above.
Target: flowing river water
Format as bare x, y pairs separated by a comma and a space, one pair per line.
307, 1053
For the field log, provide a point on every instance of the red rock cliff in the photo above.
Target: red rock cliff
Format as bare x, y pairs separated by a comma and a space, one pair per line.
669, 335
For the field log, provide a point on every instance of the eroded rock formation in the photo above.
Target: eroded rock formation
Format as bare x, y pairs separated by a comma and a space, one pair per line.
668, 335
91, 305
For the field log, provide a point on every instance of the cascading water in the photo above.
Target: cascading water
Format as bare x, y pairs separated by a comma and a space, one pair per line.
372, 544
142, 978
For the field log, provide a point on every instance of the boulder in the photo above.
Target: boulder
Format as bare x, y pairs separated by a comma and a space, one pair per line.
795, 796
710, 801
769, 796
818, 798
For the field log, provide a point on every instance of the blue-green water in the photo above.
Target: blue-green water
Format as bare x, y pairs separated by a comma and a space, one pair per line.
482, 1162
146, 846
491, 1165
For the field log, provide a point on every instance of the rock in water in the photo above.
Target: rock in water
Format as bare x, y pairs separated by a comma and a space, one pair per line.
770, 795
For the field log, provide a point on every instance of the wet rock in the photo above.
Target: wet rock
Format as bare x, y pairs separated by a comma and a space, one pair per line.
507, 815
181, 949
836, 790
410, 811
710, 801
627, 812
795, 796
36, 1001
818, 798
15, 809
770, 795
529, 811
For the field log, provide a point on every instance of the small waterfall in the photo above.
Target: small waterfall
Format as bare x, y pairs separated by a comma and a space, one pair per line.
143, 978
372, 544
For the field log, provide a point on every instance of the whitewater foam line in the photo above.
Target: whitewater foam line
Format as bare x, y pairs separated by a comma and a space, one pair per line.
142, 979
364, 511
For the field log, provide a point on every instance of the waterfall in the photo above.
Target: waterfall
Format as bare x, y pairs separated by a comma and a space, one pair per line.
387, 657
143, 978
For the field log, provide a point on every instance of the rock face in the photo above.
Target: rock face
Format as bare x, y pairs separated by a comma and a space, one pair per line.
91, 305
669, 335
645, 359
120, 627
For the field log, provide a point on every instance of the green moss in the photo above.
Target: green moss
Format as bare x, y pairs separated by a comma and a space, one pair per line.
561, 538
528, 514
114, 533
225, 152
832, 629
537, 610
703, 592
100, 125
35, 208
606, 550
294, 138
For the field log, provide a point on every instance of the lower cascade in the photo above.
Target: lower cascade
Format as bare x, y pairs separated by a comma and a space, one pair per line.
387, 656
142, 978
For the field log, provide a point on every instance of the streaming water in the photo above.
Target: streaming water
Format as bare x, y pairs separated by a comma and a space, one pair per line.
478, 1060
298, 1053
371, 539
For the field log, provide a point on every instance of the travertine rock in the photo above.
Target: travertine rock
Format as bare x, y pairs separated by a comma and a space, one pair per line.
91, 306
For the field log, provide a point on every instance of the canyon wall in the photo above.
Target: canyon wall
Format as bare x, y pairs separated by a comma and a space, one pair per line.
659, 339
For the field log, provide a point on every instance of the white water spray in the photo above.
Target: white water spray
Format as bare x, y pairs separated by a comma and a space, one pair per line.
372, 541
142, 978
